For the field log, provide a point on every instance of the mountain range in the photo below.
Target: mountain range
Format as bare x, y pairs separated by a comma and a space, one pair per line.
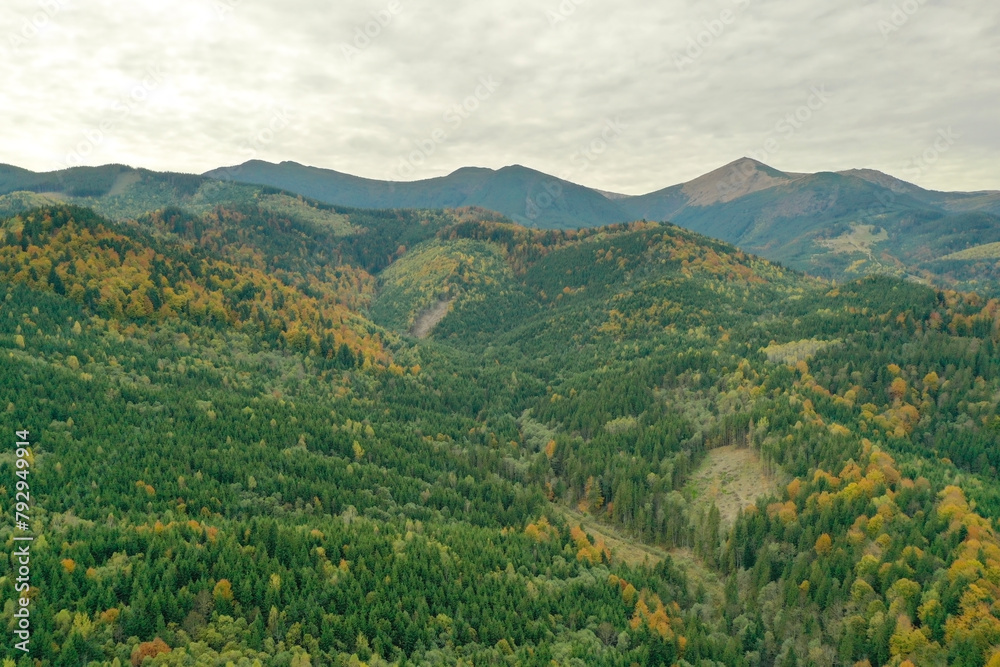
837, 225
833, 224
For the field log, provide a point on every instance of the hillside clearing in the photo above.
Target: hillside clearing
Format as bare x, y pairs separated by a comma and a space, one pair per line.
860, 239
731, 477
429, 319
796, 351
623, 548
635, 553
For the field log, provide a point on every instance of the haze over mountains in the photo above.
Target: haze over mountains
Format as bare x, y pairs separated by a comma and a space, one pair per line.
837, 225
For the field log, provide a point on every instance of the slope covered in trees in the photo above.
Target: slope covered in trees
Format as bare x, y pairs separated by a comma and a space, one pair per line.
238, 455
841, 226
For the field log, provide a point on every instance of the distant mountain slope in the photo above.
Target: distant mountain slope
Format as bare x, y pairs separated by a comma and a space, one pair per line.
524, 195
76, 182
734, 180
842, 225
839, 225
114, 190
788, 221
336, 187
123, 193
986, 201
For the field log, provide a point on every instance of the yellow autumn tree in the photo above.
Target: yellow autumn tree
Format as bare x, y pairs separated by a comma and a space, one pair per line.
541, 530
897, 389
931, 381
223, 590
550, 449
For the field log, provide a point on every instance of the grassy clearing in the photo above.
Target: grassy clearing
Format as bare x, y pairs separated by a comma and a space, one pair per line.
635, 553
623, 548
861, 238
732, 478
796, 351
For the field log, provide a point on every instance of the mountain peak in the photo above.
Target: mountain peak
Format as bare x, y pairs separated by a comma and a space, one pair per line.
746, 160
471, 170
517, 169
732, 181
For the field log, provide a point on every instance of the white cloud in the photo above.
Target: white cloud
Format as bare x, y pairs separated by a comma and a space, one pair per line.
228, 66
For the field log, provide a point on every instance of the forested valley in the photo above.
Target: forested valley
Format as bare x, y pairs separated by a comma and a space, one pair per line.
239, 455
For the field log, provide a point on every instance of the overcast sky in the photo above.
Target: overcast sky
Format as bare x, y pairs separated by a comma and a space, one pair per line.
628, 96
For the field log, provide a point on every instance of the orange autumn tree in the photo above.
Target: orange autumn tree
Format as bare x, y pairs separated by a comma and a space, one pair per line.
148, 650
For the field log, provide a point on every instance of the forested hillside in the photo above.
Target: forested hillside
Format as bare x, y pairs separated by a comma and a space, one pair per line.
841, 226
239, 455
